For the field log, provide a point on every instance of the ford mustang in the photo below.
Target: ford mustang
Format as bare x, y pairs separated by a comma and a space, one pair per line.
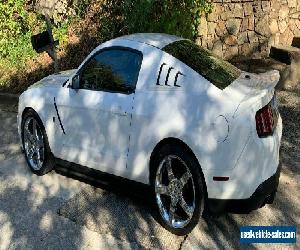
160, 110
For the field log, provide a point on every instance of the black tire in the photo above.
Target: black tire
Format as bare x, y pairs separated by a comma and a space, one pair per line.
48, 163
192, 164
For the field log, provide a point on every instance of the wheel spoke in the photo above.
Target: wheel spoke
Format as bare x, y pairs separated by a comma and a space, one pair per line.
38, 155
28, 135
172, 213
161, 189
185, 178
169, 169
30, 153
40, 143
175, 208
33, 143
186, 208
35, 129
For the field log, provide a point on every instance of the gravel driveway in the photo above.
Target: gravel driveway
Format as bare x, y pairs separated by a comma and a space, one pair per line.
54, 211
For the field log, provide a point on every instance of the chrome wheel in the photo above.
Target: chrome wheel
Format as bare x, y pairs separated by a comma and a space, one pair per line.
175, 191
33, 143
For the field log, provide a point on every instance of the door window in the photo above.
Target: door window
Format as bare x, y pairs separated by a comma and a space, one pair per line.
114, 70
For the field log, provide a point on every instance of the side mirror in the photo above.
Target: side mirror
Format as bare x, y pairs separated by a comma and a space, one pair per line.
75, 82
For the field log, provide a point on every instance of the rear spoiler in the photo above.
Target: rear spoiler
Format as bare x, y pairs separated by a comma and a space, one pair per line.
269, 79
253, 90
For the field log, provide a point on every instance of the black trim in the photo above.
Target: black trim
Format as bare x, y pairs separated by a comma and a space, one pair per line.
264, 194
60, 123
143, 193
176, 79
167, 78
159, 74
64, 84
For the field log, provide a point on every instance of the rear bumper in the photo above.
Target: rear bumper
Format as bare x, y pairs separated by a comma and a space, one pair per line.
264, 194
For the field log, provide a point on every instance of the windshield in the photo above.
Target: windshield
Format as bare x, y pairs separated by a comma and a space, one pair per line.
218, 71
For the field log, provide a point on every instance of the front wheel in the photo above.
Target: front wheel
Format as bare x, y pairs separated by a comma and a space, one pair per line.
178, 187
35, 144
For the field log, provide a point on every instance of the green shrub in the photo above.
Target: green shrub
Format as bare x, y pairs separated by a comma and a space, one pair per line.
119, 17
81, 7
17, 25
15, 31
95, 22
178, 17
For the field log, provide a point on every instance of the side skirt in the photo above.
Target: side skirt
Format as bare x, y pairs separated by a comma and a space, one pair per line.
105, 181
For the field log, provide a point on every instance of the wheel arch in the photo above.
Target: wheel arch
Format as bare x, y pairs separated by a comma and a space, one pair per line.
26, 110
180, 143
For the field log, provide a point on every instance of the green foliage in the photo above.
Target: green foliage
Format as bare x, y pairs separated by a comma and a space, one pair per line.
81, 7
95, 22
17, 25
178, 17
119, 17
60, 32
14, 29
221, 73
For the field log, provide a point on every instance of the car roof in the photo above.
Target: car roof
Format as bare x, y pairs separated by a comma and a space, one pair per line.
158, 40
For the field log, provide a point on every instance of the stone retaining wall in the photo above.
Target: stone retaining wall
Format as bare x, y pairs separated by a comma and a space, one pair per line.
249, 28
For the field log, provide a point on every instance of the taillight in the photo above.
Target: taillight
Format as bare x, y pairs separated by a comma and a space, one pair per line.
266, 120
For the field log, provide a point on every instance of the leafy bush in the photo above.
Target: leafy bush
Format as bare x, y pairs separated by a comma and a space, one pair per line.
81, 7
118, 17
15, 30
178, 17
95, 22
17, 25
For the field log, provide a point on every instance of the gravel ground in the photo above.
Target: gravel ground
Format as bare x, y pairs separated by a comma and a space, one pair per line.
290, 112
58, 212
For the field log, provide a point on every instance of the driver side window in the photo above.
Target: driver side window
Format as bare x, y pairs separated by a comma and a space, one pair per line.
114, 70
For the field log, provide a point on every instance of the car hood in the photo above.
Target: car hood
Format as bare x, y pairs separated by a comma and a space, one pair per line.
55, 80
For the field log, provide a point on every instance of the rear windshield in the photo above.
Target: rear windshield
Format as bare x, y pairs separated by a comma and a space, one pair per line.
219, 72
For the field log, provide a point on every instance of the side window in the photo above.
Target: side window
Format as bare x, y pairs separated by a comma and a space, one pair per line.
113, 70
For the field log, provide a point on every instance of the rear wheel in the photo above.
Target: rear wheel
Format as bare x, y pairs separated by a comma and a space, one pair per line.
178, 187
35, 144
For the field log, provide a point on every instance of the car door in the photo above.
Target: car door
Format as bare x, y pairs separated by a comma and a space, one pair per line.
96, 117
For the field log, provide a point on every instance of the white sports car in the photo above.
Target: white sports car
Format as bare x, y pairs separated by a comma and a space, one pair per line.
159, 110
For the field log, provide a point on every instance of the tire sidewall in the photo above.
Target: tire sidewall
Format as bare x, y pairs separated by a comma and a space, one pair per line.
195, 169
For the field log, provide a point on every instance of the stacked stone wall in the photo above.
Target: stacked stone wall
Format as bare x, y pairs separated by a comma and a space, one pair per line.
243, 28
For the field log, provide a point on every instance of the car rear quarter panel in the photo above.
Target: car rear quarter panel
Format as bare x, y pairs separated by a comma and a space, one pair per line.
197, 113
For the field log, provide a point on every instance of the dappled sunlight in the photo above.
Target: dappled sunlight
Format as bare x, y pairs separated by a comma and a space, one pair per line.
46, 223
124, 218
6, 230
122, 132
224, 231
95, 217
